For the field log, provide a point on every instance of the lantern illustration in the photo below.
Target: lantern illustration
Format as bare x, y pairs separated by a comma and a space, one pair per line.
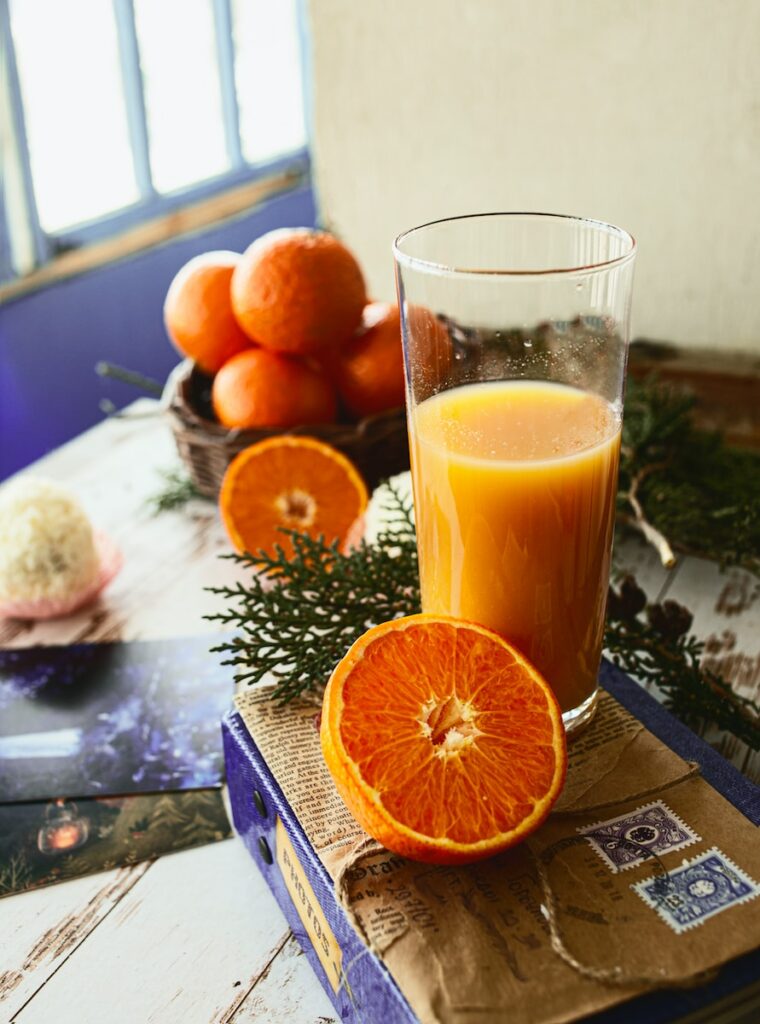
64, 830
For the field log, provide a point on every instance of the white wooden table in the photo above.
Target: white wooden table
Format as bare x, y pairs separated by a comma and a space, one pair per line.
196, 937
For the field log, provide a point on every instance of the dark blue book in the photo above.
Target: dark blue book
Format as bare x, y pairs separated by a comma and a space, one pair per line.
359, 984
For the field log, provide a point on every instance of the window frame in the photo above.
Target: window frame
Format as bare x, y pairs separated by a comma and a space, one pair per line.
151, 204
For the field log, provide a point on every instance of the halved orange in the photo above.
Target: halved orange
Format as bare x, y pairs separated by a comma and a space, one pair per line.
446, 744
296, 483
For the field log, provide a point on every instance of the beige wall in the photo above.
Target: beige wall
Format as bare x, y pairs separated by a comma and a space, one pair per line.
645, 113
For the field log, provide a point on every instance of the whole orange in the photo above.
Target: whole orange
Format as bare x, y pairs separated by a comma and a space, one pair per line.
263, 389
370, 368
298, 291
198, 311
433, 349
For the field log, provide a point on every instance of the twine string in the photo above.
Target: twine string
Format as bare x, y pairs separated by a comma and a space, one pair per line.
610, 976
366, 846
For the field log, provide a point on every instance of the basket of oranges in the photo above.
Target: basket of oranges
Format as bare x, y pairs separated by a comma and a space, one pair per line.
283, 340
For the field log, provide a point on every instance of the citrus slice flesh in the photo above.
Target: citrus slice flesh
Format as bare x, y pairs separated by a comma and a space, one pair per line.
294, 483
446, 744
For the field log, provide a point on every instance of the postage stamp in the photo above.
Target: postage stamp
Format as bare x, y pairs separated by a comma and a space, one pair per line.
698, 890
635, 837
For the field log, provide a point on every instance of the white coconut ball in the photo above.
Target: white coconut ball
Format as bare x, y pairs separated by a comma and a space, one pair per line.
382, 513
47, 548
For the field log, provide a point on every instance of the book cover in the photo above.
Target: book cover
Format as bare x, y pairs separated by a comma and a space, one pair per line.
466, 944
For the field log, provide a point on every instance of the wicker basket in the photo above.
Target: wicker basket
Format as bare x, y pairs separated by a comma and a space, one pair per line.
377, 445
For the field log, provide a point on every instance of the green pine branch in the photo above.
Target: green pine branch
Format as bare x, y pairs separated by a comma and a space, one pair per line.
651, 642
683, 487
176, 491
300, 612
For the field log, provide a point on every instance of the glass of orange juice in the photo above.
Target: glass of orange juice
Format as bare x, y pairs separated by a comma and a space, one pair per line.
515, 329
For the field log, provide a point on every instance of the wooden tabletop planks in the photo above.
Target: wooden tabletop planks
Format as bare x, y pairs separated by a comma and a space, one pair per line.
286, 993
168, 559
726, 609
189, 943
189, 937
41, 930
196, 937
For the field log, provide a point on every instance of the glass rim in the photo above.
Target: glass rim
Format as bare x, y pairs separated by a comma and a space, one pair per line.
443, 269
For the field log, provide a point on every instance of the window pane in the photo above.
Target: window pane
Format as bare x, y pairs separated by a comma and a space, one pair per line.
268, 76
76, 122
182, 92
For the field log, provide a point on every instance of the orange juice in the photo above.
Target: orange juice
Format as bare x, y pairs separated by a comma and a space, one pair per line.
514, 485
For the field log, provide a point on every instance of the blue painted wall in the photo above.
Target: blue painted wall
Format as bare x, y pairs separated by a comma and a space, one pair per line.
51, 339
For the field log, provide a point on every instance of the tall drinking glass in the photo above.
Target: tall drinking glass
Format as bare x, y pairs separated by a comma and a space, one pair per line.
515, 329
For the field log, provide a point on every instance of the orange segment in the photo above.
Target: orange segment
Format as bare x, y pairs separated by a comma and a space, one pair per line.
445, 743
295, 483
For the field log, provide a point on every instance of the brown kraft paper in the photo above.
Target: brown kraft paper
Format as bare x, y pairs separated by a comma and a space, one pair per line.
473, 945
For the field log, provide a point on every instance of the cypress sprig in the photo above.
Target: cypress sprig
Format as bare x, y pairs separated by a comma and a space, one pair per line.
652, 643
302, 610
177, 490
682, 487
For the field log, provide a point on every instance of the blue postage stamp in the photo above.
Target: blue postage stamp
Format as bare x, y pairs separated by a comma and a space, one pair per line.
636, 837
697, 891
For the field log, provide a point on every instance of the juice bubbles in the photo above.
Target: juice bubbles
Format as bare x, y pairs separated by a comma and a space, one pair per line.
514, 485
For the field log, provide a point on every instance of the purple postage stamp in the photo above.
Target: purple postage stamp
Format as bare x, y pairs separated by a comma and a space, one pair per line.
635, 837
698, 890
